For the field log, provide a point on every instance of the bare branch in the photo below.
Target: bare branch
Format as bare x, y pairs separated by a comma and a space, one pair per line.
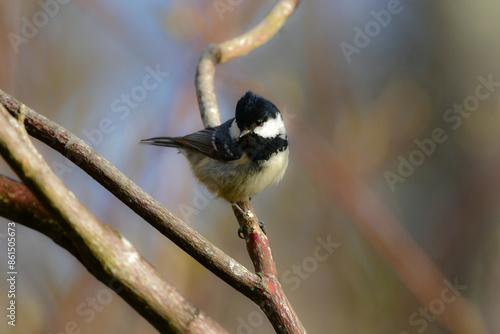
105, 253
271, 299
76, 150
266, 29
17, 203
204, 82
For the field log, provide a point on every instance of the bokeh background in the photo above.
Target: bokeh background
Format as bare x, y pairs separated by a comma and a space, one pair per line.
370, 106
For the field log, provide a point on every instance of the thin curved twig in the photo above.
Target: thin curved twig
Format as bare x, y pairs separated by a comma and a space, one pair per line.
230, 50
271, 299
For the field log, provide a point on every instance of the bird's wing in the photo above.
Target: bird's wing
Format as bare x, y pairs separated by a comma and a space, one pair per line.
213, 142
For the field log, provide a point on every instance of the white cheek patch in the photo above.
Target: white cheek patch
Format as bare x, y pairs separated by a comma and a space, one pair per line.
272, 128
234, 130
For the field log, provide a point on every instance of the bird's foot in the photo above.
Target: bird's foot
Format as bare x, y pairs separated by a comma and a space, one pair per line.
241, 229
247, 214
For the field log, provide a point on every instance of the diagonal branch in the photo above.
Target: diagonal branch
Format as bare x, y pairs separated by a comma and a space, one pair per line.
76, 150
17, 203
104, 252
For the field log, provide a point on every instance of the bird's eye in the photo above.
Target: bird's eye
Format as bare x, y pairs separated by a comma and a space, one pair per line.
259, 122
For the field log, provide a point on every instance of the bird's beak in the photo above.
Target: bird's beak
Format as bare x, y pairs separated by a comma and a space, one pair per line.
244, 132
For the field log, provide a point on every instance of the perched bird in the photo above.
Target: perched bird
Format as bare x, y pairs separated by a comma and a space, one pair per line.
241, 157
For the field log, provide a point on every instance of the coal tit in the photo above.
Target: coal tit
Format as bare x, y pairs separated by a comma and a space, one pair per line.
241, 157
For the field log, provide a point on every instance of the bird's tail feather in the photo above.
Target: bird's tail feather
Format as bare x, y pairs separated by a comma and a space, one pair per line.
162, 141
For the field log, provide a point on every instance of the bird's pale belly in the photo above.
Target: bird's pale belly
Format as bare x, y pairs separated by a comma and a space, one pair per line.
236, 179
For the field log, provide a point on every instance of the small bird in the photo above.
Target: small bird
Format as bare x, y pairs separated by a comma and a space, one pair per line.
241, 157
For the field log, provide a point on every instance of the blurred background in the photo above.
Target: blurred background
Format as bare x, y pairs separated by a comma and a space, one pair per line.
371, 85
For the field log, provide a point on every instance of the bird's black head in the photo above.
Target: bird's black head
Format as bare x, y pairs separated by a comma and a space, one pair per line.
259, 129
253, 111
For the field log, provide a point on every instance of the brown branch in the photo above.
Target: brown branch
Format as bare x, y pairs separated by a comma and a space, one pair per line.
76, 150
17, 203
105, 253
271, 297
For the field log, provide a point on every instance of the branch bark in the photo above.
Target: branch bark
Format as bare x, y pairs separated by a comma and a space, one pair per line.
105, 253
76, 150
271, 297
17, 203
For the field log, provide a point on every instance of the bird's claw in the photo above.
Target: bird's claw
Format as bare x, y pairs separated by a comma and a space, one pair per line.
241, 229
262, 226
